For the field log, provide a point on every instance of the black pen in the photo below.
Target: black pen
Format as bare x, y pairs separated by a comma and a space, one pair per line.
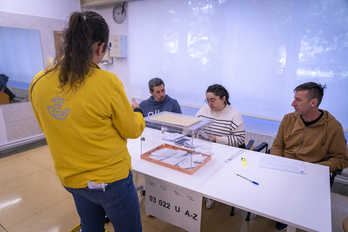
248, 179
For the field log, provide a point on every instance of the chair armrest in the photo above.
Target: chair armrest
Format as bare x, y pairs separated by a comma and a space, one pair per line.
261, 147
250, 143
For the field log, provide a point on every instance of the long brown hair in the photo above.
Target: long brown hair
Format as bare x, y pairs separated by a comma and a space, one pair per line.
75, 58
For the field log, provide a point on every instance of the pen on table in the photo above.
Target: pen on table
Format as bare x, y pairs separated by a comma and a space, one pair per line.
244, 161
248, 179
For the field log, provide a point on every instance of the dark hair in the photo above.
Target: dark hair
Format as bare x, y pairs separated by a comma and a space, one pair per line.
75, 58
155, 82
220, 91
314, 90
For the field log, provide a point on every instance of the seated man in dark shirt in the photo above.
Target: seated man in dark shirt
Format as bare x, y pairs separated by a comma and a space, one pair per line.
159, 101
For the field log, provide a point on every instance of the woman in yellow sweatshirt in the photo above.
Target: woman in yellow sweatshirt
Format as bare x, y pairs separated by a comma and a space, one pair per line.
87, 118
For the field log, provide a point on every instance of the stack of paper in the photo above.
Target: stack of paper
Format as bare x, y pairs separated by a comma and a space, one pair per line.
196, 143
172, 136
199, 146
186, 163
178, 158
165, 153
175, 119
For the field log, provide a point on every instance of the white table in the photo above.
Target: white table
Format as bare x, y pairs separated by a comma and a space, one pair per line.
192, 182
301, 201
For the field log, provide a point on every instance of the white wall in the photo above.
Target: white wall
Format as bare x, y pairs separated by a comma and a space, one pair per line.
56, 9
120, 66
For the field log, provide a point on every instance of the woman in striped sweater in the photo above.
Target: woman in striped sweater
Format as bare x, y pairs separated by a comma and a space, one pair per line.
228, 127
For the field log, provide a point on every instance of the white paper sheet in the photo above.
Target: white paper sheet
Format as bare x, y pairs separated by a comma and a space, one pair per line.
177, 157
186, 163
196, 143
172, 136
199, 146
282, 164
175, 160
166, 152
198, 158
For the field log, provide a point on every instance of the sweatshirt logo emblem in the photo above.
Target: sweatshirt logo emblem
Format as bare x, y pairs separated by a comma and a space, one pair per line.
153, 112
56, 110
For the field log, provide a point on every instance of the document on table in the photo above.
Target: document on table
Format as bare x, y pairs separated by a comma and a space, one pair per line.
172, 136
283, 164
178, 158
196, 143
176, 119
199, 146
167, 153
186, 163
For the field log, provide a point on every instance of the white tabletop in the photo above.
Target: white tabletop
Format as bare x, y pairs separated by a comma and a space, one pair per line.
193, 182
302, 201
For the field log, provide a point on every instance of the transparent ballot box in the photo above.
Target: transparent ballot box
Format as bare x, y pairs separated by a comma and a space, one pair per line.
177, 141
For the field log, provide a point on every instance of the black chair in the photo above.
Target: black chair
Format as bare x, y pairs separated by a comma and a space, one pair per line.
248, 146
333, 176
259, 148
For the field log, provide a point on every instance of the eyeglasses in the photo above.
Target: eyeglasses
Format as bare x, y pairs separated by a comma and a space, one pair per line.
212, 100
106, 47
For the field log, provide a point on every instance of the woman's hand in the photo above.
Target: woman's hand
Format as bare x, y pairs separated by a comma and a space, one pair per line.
213, 138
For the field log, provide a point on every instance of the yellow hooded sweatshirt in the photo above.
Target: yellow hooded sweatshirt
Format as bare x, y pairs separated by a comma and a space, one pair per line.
86, 130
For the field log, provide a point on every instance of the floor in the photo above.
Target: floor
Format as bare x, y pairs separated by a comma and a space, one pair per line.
33, 200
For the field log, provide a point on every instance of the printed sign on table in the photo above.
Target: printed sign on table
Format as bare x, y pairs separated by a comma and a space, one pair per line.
173, 204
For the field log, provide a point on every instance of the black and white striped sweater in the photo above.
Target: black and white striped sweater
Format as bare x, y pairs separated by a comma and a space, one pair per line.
228, 126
